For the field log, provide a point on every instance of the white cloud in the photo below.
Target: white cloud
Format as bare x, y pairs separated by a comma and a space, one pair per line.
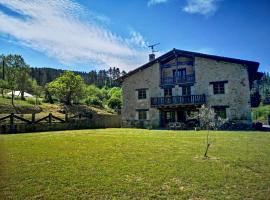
136, 39
204, 7
155, 2
65, 30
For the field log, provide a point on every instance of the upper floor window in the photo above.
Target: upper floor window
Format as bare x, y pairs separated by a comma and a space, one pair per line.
180, 73
167, 92
219, 87
142, 94
186, 90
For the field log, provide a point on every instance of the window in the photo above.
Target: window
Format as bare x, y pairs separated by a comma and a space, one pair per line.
219, 87
142, 94
179, 73
142, 114
221, 112
186, 90
170, 115
167, 92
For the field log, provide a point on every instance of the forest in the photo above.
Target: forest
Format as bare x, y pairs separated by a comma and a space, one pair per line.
263, 88
94, 88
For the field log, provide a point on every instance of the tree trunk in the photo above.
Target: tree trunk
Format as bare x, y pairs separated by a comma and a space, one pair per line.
207, 145
12, 97
2, 92
68, 98
206, 151
48, 97
22, 95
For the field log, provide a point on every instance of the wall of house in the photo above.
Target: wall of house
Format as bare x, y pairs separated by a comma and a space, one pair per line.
236, 97
237, 91
148, 78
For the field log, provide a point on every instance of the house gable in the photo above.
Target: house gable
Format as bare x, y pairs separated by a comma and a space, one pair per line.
170, 56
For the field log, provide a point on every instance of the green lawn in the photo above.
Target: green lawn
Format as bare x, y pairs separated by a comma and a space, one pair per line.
134, 164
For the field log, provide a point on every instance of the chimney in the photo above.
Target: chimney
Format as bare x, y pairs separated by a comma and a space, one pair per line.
151, 57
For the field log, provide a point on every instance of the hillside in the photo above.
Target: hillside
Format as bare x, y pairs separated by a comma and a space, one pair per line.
25, 107
261, 113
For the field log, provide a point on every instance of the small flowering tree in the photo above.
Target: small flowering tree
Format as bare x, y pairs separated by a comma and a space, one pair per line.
209, 121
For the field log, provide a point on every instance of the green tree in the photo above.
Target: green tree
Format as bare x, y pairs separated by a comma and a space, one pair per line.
115, 98
115, 92
68, 87
115, 103
93, 101
23, 72
11, 80
24, 80
3, 86
209, 121
37, 90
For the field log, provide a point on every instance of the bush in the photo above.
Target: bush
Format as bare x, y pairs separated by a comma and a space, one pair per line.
115, 103
115, 92
258, 126
236, 126
93, 101
33, 101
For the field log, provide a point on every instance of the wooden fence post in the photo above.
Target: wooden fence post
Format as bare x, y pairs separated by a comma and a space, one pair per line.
12, 119
50, 118
33, 117
12, 127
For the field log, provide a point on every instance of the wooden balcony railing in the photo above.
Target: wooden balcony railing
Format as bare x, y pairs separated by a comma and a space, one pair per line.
190, 78
178, 100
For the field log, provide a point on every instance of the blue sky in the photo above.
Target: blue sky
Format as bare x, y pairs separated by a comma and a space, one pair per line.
96, 34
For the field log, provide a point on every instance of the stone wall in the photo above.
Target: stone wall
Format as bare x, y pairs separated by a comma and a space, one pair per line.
98, 121
148, 78
237, 92
236, 97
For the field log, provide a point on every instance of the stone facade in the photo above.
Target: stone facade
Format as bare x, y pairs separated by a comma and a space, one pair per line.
236, 99
237, 90
149, 79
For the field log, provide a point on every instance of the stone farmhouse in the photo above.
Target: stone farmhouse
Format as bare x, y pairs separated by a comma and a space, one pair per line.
173, 86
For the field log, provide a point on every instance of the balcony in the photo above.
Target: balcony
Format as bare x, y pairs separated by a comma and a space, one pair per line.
190, 78
178, 100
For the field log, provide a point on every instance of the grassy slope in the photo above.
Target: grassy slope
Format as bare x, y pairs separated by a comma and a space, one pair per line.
261, 113
26, 107
133, 163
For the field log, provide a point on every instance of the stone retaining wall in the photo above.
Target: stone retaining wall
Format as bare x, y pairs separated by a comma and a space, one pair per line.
99, 121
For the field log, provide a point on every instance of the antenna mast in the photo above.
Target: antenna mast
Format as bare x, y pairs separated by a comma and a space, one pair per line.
152, 47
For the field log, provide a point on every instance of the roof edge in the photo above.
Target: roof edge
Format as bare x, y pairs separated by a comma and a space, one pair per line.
252, 65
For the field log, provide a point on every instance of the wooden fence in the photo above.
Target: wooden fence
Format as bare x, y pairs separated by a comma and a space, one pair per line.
18, 123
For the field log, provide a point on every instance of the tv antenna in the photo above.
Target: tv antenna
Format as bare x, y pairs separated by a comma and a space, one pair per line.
152, 47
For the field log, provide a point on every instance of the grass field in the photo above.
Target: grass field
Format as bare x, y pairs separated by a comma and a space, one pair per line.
134, 164
261, 113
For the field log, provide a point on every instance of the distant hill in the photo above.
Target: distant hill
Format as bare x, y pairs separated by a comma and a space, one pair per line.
45, 75
99, 78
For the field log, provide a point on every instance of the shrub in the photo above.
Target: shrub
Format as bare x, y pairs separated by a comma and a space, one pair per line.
93, 101
33, 101
114, 103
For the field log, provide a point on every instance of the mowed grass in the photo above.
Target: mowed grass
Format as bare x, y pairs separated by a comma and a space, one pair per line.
135, 164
